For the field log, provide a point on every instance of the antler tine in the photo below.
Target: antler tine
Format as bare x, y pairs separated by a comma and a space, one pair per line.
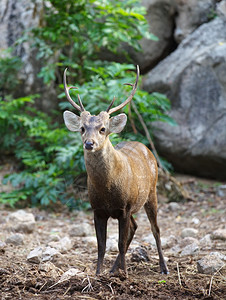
112, 102
66, 90
112, 110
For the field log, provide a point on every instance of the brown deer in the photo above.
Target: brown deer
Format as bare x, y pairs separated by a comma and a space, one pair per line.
121, 180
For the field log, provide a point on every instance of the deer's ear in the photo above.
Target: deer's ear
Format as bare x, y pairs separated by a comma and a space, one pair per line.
117, 123
72, 121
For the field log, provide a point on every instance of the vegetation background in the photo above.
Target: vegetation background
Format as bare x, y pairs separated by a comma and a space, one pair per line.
73, 34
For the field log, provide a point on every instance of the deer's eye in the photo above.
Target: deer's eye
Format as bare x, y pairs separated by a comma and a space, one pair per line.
82, 129
102, 130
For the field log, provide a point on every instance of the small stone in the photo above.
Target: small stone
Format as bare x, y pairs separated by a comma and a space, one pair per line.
174, 206
50, 268
189, 232
83, 229
2, 247
63, 245
219, 255
15, 239
219, 234
191, 249
209, 264
49, 253
168, 242
35, 256
188, 241
21, 221
91, 241
112, 245
140, 254
70, 273
206, 241
149, 239
196, 221
221, 190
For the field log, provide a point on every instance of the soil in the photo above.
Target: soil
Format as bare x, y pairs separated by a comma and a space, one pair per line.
20, 279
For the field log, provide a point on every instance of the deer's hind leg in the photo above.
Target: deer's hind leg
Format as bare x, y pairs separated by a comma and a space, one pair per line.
151, 211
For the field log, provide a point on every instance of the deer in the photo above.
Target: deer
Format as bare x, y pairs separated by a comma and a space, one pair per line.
121, 179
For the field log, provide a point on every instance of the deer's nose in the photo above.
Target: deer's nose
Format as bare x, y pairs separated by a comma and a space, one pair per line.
89, 145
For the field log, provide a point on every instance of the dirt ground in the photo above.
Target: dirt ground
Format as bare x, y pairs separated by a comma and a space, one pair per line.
22, 280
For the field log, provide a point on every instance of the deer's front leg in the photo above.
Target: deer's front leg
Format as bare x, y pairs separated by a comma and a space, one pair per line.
124, 226
101, 233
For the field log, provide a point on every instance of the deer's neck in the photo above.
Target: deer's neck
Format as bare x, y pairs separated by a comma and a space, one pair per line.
103, 165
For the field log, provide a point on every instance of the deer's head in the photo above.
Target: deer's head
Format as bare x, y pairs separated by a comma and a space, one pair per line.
95, 129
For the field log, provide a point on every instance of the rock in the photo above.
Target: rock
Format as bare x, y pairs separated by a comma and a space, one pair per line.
15, 239
188, 241
140, 254
2, 247
70, 273
82, 229
198, 144
63, 245
189, 232
209, 264
149, 239
219, 234
21, 221
206, 241
91, 241
49, 253
168, 242
190, 249
35, 256
112, 245
174, 206
221, 190
190, 15
219, 255
50, 268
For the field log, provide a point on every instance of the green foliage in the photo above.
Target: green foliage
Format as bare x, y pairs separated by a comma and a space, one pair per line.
9, 67
76, 32
48, 166
73, 34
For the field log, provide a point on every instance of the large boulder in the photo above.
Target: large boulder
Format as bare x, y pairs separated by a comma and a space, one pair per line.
17, 17
194, 79
190, 15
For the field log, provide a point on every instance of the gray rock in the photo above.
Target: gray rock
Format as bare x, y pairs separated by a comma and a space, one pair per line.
21, 221
221, 190
15, 239
174, 206
35, 256
168, 242
91, 241
209, 264
82, 229
63, 245
49, 253
189, 232
198, 144
219, 234
2, 246
188, 241
140, 254
190, 249
190, 15
206, 241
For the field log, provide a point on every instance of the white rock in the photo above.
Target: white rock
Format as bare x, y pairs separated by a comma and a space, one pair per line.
189, 232
91, 241
149, 239
35, 256
195, 220
219, 255
112, 245
70, 273
209, 264
15, 239
82, 229
49, 253
191, 249
21, 221
219, 234
62, 245
2, 246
